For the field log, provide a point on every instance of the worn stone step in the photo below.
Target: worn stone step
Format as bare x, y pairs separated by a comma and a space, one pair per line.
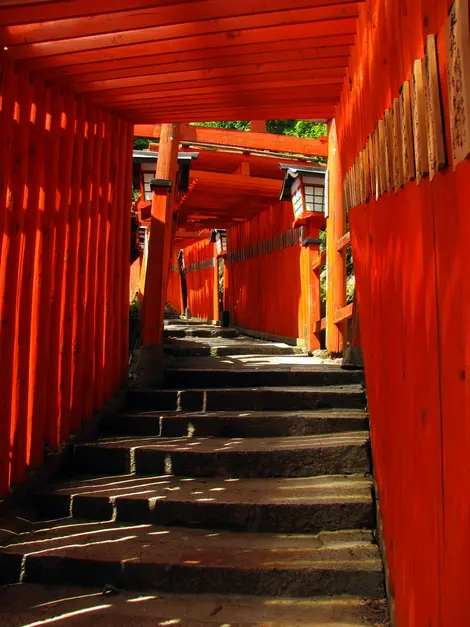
341, 453
311, 504
236, 424
253, 398
177, 330
226, 347
195, 560
259, 377
35, 604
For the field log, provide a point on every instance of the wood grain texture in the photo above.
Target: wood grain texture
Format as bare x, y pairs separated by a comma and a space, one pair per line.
458, 55
411, 267
47, 164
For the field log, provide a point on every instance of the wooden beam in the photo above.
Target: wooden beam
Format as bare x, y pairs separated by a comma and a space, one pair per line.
200, 68
236, 183
109, 52
277, 113
45, 10
185, 61
170, 14
241, 139
343, 242
345, 313
319, 262
258, 126
322, 22
320, 325
329, 86
334, 68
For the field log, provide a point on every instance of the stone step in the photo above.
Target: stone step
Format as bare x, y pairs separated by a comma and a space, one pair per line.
195, 561
259, 377
192, 322
36, 604
254, 399
223, 347
341, 453
232, 424
307, 505
177, 330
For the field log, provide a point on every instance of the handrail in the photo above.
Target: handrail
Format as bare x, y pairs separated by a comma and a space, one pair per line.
320, 325
345, 313
343, 242
319, 262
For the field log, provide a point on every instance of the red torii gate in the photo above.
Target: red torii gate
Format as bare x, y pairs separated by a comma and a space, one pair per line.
150, 62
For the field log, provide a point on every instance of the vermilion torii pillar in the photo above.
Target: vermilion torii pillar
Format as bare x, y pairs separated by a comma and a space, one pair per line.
336, 261
159, 250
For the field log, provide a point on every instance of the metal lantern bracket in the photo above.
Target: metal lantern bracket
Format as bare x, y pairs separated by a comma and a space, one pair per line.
160, 184
311, 241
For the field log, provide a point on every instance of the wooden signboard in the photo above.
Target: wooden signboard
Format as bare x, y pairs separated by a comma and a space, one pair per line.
383, 157
370, 150
388, 129
407, 134
458, 68
362, 177
365, 174
353, 186
366, 171
378, 163
432, 101
419, 122
397, 146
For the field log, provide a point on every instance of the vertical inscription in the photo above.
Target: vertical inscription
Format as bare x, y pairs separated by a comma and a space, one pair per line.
406, 133
419, 122
397, 147
367, 171
433, 104
388, 130
378, 179
458, 58
373, 186
382, 157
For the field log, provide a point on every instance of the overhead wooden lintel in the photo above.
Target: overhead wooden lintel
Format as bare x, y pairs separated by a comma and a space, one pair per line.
241, 139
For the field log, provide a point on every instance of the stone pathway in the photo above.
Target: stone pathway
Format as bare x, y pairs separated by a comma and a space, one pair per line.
237, 495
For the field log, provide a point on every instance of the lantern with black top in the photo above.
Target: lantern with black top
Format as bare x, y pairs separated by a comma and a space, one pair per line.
305, 188
221, 242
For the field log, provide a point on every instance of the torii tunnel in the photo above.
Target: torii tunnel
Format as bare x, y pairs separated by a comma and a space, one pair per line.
80, 80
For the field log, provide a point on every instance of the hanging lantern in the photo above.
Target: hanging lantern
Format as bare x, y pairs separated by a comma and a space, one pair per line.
221, 242
305, 188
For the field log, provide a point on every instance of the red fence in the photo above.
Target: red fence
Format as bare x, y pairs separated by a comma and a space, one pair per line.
411, 261
65, 184
269, 274
174, 294
200, 261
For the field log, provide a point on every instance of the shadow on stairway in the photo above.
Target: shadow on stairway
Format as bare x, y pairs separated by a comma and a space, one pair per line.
244, 481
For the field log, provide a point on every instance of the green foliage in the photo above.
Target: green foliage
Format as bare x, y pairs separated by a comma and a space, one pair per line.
294, 128
141, 143
297, 128
243, 125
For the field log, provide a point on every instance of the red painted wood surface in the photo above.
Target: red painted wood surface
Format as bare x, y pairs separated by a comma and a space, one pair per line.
201, 283
411, 262
336, 259
174, 294
270, 292
54, 348
155, 269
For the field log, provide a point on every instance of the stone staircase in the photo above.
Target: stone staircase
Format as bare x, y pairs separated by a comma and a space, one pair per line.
245, 482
